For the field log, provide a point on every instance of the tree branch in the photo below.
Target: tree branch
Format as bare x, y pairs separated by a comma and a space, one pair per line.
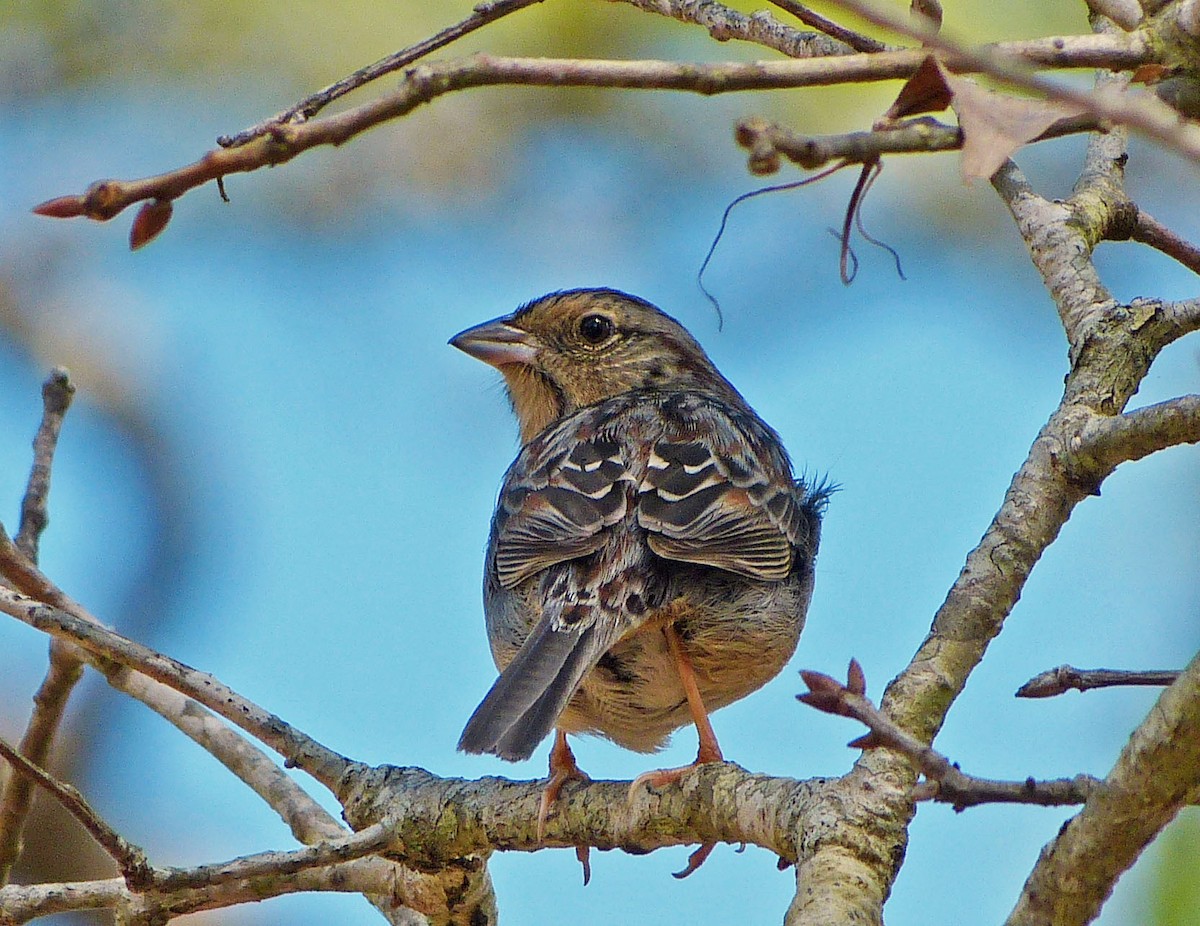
106, 198
766, 141
66, 667
76, 625
855, 40
484, 13
944, 781
1157, 774
1140, 111
760, 28
130, 859
1107, 441
1150, 231
1066, 678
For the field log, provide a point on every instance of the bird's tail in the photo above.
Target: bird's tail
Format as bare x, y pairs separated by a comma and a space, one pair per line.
532, 691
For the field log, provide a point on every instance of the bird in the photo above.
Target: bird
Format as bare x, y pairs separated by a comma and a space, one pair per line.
651, 555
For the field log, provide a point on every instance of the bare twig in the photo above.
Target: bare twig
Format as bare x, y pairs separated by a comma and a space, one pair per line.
724, 23
855, 40
944, 781
1140, 110
766, 140
484, 13
1067, 678
130, 859
1149, 230
1155, 775
74, 623
65, 667
344, 848
22, 903
57, 392
105, 199
1125, 13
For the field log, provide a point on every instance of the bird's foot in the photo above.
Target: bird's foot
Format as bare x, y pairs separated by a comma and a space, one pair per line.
563, 768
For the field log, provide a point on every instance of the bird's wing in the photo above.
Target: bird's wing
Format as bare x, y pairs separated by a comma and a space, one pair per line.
718, 491
562, 491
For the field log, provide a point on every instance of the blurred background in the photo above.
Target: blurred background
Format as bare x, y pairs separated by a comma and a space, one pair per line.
278, 472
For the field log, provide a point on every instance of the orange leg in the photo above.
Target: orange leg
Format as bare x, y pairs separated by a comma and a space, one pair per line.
562, 769
708, 751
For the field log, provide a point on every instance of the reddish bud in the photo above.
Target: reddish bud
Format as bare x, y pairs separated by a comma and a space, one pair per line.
856, 680
151, 219
61, 207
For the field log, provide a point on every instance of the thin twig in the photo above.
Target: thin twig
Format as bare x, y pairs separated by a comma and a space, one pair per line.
106, 198
344, 848
484, 13
68, 619
1125, 13
130, 859
922, 135
1067, 678
66, 667
57, 392
856, 40
1149, 230
1155, 775
1140, 110
944, 782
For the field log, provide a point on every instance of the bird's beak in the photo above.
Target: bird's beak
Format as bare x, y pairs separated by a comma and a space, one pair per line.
497, 343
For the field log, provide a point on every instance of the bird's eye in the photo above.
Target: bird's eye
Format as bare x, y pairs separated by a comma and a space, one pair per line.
596, 329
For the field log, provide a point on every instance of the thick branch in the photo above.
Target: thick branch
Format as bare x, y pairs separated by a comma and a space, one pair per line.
1059, 251
1067, 678
21, 903
1157, 773
57, 393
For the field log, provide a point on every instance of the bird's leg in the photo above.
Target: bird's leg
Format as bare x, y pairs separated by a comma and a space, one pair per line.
708, 751
563, 768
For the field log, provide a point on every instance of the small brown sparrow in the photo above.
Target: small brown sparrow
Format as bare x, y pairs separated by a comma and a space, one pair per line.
651, 555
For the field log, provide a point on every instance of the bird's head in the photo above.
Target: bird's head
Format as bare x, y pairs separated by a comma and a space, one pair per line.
575, 348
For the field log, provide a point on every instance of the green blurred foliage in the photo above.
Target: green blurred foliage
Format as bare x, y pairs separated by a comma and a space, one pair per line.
1175, 895
48, 46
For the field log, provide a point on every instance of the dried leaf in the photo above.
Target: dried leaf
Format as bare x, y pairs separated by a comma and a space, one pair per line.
151, 219
995, 125
1150, 73
925, 92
